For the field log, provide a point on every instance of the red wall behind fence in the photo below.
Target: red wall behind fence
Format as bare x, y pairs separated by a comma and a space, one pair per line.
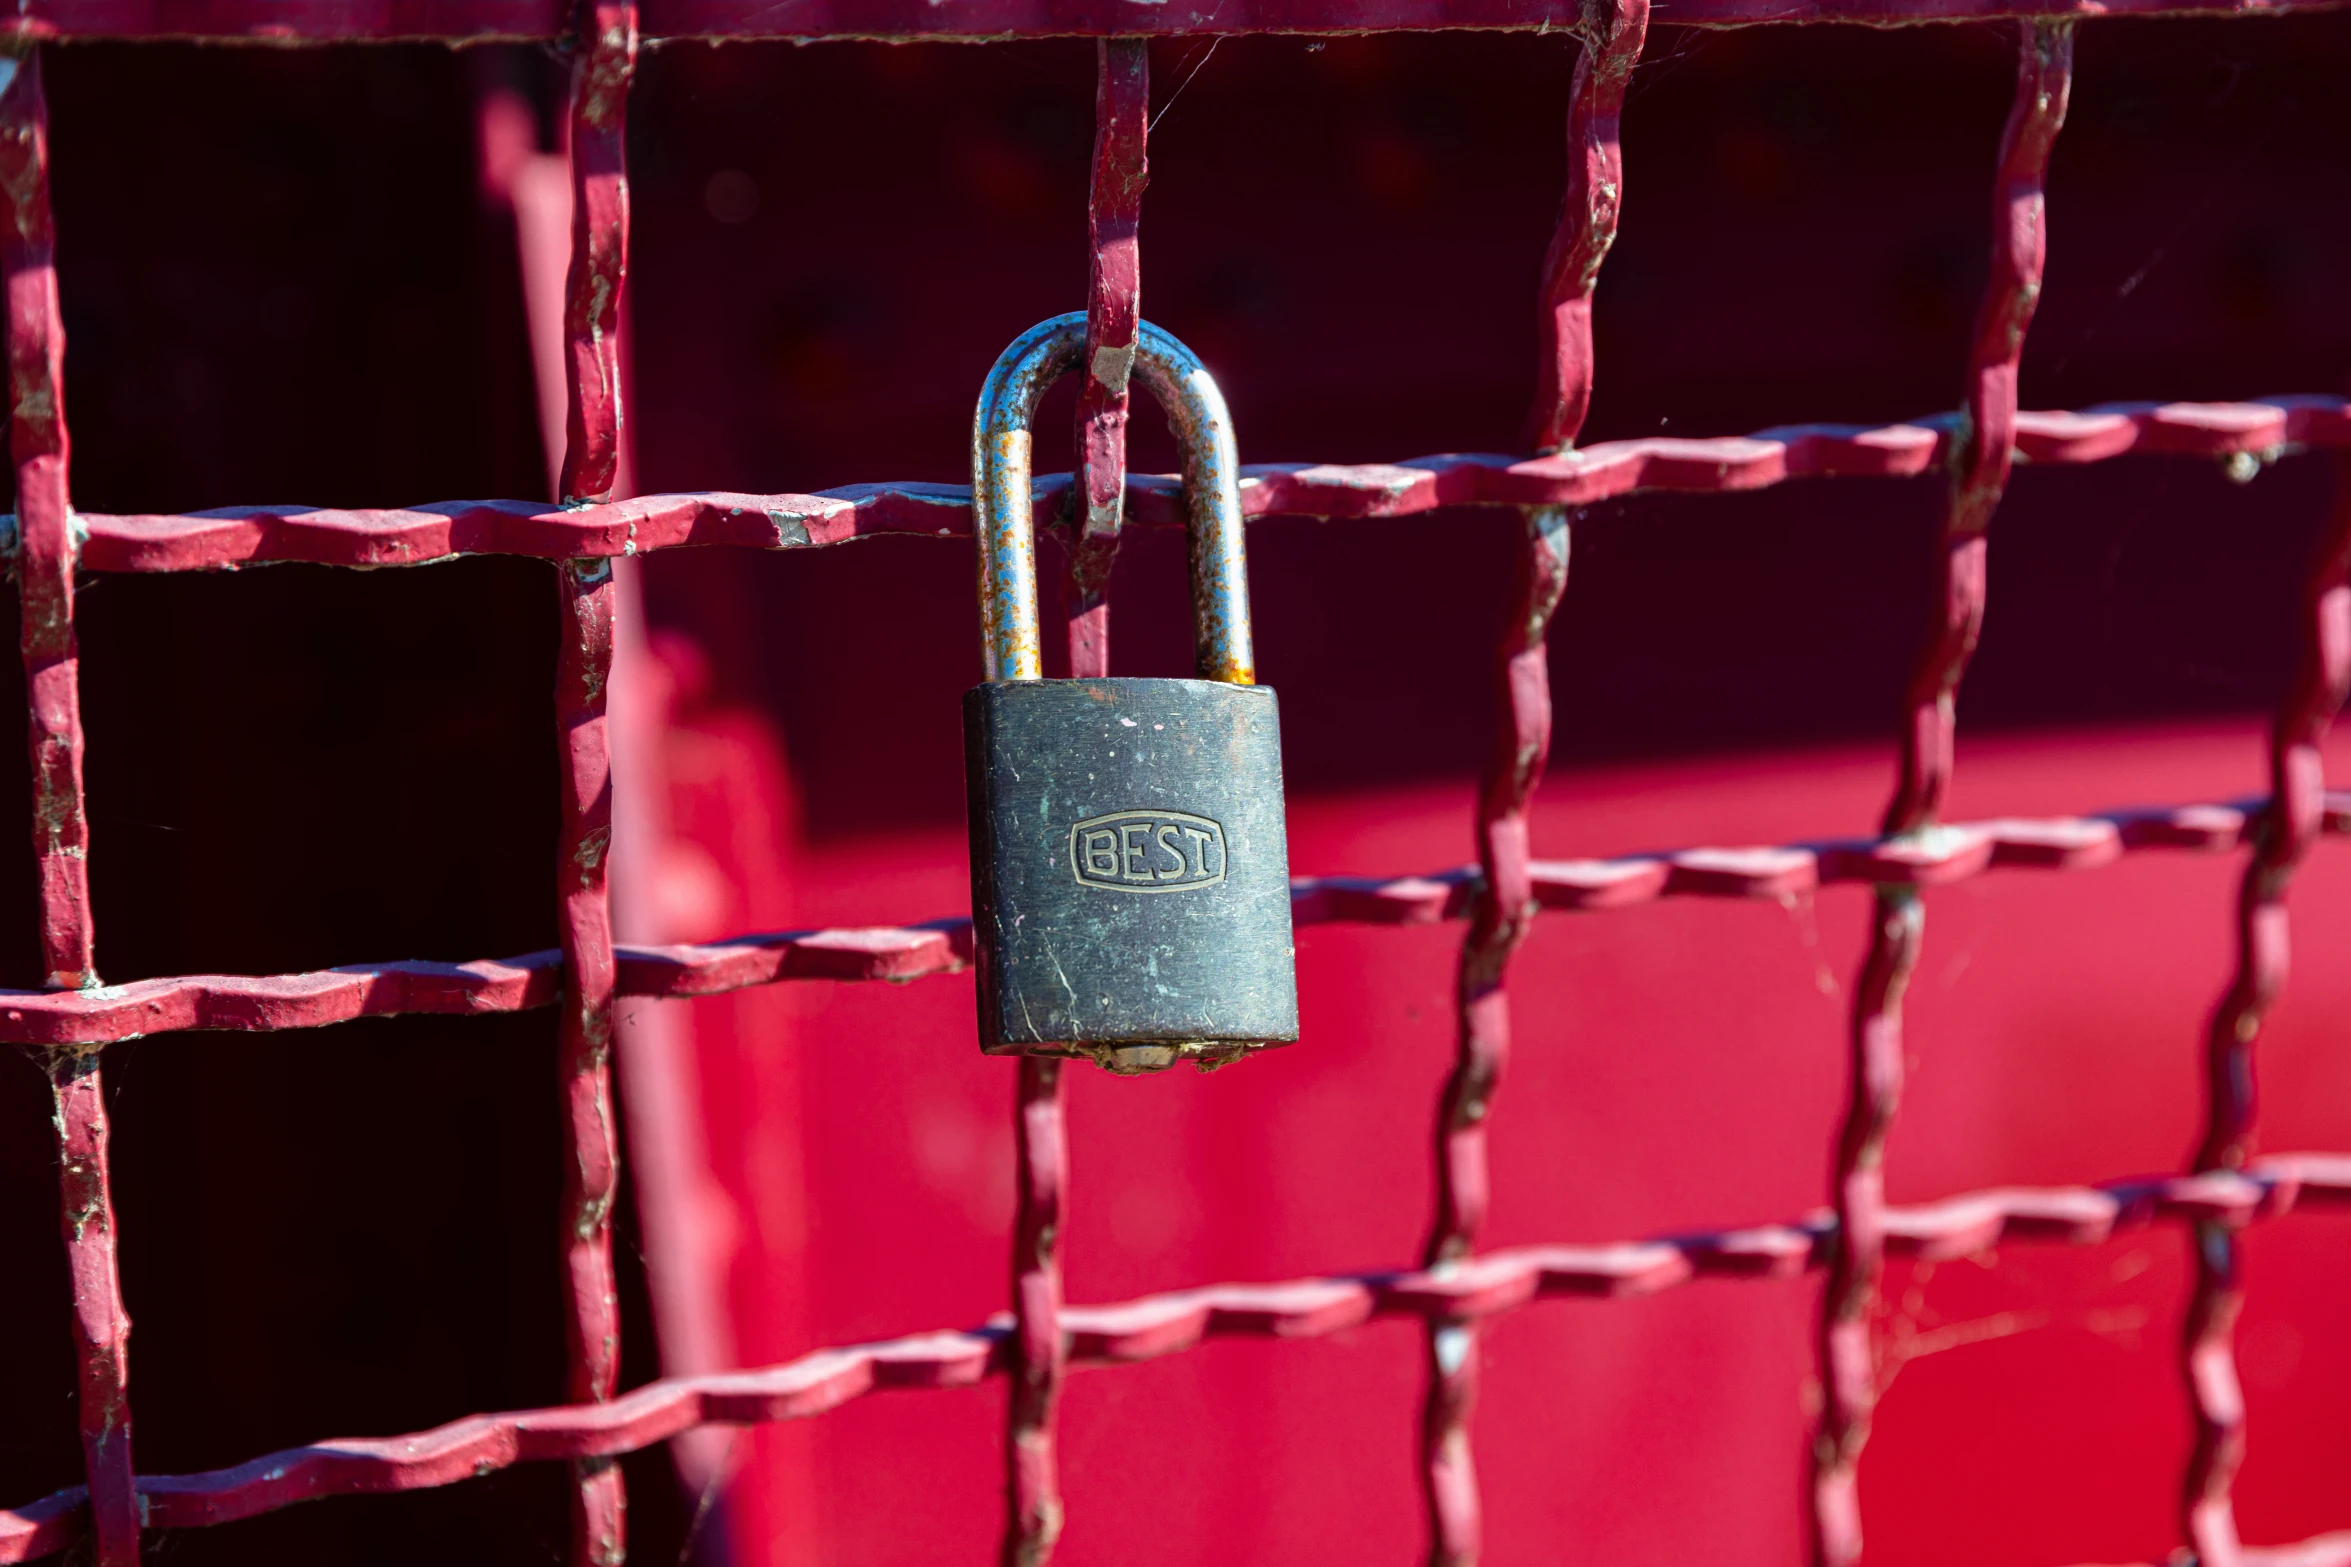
1676, 1066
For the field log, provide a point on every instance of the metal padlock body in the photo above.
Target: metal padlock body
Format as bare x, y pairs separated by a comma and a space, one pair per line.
1129, 858
1130, 869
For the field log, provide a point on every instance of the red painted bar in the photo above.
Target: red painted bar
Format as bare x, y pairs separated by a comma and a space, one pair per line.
1980, 462
591, 1175
1036, 1353
606, 58
1114, 312
40, 447
101, 1327
255, 535
1588, 214
1502, 899
41, 451
273, 1003
2282, 836
547, 21
1498, 1282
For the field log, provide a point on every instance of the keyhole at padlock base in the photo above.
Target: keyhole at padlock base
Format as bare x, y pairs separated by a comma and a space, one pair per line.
1130, 866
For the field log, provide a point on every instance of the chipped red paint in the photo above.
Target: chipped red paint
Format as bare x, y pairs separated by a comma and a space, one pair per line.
239, 1003
1613, 35
101, 1327
1980, 458
255, 535
45, 550
1476, 1288
604, 59
2282, 837
591, 1175
1114, 312
474, 21
1984, 446
1036, 1352
40, 449
1503, 901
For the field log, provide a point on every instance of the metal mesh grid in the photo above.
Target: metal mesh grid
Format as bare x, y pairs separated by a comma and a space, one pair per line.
1455, 1287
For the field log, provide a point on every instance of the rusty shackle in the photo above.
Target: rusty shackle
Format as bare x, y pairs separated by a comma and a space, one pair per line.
1004, 506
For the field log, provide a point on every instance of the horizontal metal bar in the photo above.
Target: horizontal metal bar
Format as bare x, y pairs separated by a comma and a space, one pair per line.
285, 22
2325, 1550
1158, 1325
1935, 858
2244, 433
272, 1003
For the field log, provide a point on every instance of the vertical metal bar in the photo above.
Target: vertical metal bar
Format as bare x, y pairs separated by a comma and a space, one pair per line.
101, 1327
46, 547
606, 59
1039, 1354
1114, 307
1981, 456
2287, 830
585, 597
584, 1033
1504, 905
1500, 917
1114, 209
46, 550
1612, 32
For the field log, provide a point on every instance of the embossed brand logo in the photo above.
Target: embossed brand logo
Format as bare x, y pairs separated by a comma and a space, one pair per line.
1147, 851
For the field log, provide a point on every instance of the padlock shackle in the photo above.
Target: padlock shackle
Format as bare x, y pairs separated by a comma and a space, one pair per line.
1004, 511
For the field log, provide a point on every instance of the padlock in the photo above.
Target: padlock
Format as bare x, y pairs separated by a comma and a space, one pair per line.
1130, 868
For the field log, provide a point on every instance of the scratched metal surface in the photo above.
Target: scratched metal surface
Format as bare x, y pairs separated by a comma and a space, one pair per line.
1008, 506
2224, 1186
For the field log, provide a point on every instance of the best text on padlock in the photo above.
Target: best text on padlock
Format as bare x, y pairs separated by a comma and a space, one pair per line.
1129, 858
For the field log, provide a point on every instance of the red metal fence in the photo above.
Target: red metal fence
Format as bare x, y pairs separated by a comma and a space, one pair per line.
1454, 1287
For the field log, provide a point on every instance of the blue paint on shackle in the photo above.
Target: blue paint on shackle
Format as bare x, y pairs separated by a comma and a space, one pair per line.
1004, 506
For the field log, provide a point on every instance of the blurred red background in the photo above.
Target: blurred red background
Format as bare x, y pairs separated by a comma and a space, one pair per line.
295, 276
